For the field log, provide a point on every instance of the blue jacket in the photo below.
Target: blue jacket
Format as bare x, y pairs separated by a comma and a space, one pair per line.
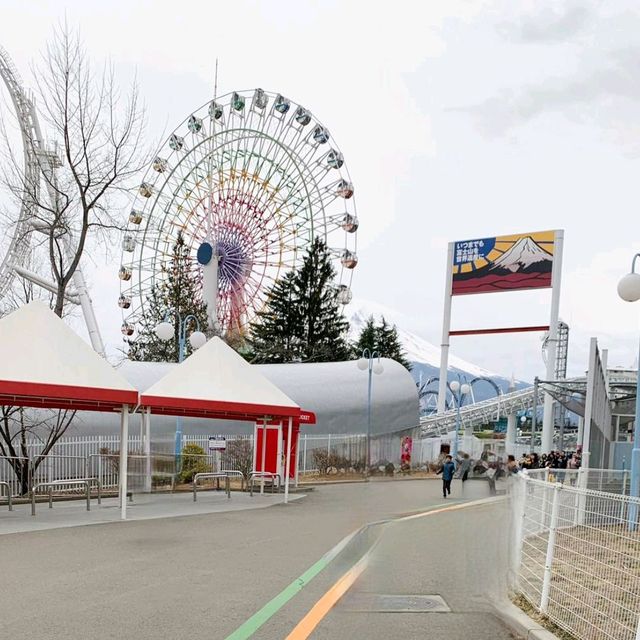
448, 470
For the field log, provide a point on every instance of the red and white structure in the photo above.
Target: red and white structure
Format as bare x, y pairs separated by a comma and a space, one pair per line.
217, 383
45, 364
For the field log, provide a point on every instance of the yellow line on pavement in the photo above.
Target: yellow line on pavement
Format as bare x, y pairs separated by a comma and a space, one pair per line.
319, 611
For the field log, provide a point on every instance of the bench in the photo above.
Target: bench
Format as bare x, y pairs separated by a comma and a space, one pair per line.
78, 482
211, 476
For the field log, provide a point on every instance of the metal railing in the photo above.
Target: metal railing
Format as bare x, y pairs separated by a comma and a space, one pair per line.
57, 484
7, 486
211, 476
576, 554
263, 476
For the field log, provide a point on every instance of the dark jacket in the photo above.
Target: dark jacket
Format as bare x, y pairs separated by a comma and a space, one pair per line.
448, 469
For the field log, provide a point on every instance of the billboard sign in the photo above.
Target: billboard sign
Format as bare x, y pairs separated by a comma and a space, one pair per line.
503, 263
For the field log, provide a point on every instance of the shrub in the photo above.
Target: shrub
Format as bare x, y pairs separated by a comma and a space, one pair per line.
193, 462
238, 456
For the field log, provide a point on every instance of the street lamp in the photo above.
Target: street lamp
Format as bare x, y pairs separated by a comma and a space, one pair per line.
369, 361
165, 330
459, 390
629, 290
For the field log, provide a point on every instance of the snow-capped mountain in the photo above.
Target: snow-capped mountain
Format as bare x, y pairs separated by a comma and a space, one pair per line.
521, 256
418, 349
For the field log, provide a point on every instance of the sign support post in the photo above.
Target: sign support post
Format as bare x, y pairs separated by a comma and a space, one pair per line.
446, 328
556, 276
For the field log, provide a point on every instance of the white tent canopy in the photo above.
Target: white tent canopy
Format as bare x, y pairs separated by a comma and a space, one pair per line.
43, 363
216, 382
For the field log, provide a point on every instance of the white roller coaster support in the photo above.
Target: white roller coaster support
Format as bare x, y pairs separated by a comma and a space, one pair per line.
37, 159
556, 278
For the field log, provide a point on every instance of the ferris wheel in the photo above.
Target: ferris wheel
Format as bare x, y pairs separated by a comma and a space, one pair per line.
249, 180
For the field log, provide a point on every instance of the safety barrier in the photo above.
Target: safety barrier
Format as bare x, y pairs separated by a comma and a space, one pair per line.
211, 476
7, 486
262, 476
576, 553
234, 473
85, 482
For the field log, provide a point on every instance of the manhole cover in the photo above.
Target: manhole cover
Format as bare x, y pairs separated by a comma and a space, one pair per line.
376, 602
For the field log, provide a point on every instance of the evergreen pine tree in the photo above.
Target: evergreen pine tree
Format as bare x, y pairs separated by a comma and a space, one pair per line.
368, 338
382, 338
302, 320
274, 335
177, 293
389, 344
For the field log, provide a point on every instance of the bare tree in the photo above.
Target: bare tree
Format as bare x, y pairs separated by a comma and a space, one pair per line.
98, 152
98, 136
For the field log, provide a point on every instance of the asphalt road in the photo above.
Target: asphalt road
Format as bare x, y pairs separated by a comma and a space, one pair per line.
203, 576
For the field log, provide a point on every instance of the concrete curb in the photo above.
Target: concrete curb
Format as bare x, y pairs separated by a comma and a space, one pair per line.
516, 619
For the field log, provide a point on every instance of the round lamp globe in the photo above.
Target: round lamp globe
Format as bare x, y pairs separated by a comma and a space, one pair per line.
164, 331
629, 287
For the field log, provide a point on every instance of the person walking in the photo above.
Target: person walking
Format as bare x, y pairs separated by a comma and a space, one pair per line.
447, 471
465, 467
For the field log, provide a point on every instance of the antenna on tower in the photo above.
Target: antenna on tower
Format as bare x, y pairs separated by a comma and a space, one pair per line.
215, 82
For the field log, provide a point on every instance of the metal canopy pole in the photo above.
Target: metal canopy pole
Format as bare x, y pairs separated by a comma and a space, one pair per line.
124, 442
264, 453
287, 463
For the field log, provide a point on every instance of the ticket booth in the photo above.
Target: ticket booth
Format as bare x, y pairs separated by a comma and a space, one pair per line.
270, 445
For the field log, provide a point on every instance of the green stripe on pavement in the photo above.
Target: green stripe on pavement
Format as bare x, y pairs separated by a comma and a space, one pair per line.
247, 629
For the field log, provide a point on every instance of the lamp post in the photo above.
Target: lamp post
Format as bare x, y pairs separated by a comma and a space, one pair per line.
165, 330
459, 390
366, 363
629, 290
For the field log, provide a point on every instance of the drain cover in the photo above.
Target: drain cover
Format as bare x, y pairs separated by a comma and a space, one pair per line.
377, 602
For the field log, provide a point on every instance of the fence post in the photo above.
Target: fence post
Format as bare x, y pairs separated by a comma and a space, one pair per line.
520, 515
551, 540
624, 493
304, 460
328, 445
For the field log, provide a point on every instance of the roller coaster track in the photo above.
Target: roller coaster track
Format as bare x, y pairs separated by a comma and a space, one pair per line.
480, 412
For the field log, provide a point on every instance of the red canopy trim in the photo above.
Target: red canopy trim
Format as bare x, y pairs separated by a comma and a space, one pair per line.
216, 409
61, 396
307, 417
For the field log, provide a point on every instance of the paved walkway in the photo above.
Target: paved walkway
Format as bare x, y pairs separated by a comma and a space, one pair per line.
73, 513
205, 575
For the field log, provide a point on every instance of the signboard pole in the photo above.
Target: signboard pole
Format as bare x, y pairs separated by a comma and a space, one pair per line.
556, 278
446, 327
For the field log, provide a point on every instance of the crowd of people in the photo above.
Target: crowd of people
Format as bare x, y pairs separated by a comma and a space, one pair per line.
551, 460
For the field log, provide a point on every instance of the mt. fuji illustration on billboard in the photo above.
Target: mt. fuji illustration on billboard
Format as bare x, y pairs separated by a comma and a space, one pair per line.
504, 263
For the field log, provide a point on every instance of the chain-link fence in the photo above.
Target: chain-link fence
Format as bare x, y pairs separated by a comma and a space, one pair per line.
577, 555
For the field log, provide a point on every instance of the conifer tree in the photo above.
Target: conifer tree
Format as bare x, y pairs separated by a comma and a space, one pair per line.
302, 320
177, 293
382, 338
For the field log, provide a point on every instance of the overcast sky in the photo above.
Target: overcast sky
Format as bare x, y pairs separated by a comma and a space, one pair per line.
457, 120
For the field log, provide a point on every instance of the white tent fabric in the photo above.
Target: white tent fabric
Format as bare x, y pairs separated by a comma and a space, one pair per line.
37, 348
43, 363
215, 379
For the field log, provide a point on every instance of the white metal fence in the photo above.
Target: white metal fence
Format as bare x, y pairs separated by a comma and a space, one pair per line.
577, 554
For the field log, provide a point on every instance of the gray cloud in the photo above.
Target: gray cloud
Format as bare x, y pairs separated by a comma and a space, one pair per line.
547, 24
606, 95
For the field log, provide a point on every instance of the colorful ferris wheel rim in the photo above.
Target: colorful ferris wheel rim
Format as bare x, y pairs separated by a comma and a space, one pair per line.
257, 176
